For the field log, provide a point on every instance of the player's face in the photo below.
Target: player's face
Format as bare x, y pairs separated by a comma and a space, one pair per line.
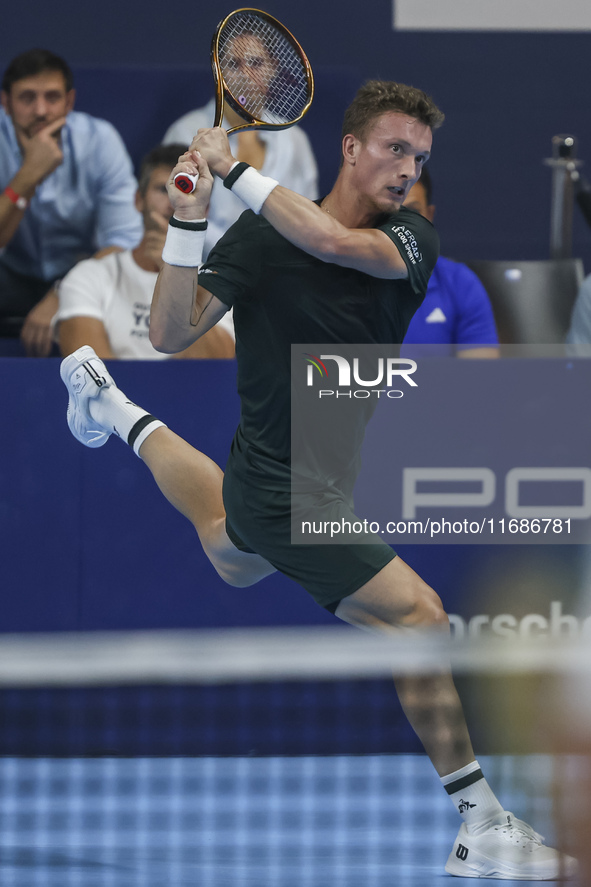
248, 69
35, 102
155, 198
389, 160
416, 199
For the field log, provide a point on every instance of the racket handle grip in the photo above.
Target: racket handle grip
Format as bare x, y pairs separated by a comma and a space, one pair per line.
185, 182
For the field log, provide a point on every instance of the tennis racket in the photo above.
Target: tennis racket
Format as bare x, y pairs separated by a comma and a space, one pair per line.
261, 71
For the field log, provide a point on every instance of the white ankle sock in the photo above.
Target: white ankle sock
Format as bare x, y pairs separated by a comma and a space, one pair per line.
115, 413
473, 797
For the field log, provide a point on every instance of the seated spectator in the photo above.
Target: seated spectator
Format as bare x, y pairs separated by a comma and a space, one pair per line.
285, 155
66, 190
580, 324
105, 302
456, 310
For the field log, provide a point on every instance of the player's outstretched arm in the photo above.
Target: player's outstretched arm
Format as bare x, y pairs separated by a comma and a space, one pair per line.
181, 310
311, 229
298, 219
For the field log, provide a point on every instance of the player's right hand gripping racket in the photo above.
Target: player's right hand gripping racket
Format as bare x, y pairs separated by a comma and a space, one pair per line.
261, 71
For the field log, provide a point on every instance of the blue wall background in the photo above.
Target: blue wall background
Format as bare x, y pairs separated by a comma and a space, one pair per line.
505, 96
88, 542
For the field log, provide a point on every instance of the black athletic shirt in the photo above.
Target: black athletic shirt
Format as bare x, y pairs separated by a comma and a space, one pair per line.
283, 296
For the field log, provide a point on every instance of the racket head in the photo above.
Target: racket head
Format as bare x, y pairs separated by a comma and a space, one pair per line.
261, 71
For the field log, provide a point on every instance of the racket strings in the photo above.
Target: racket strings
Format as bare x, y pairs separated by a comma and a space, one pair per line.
262, 70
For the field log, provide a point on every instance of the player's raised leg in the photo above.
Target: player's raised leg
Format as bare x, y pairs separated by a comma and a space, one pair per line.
192, 482
188, 478
491, 842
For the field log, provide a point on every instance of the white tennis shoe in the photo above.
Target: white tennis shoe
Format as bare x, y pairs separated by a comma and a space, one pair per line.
511, 851
85, 376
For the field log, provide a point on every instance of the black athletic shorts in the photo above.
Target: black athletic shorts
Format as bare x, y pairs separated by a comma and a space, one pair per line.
258, 521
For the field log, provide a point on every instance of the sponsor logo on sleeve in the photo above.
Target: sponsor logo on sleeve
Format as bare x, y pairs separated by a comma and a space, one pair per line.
408, 241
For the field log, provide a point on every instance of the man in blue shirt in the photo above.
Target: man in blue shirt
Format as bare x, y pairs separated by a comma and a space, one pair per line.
456, 311
66, 190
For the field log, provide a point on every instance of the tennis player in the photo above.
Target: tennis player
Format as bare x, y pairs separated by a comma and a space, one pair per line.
352, 268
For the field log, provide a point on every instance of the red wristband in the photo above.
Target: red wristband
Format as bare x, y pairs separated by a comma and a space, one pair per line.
17, 199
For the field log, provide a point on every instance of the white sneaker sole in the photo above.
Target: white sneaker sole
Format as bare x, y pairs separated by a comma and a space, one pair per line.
481, 866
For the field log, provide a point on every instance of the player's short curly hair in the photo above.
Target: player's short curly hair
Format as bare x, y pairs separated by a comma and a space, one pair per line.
377, 97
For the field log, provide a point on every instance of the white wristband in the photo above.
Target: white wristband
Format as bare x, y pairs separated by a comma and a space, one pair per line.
184, 243
253, 189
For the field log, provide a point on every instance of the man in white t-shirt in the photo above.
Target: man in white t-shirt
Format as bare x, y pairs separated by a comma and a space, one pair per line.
105, 303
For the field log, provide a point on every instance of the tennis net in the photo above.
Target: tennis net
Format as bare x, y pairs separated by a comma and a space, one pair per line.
267, 757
